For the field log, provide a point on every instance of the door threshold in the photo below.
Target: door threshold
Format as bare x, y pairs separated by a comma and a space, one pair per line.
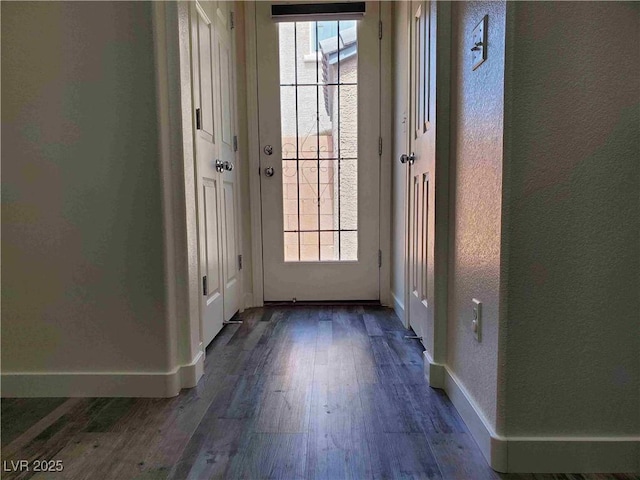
323, 303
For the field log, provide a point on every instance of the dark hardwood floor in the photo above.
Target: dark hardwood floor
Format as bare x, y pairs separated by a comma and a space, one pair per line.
293, 392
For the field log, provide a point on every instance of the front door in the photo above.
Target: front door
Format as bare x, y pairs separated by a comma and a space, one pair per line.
319, 127
421, 192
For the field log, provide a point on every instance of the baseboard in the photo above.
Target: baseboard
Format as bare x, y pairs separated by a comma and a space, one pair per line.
433, 372
493, 447
248, 301
191, 373
542, 454
398, 307
103, 384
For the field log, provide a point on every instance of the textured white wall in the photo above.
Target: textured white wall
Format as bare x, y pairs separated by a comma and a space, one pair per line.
573, 335
475, 196
82, 240
399, 171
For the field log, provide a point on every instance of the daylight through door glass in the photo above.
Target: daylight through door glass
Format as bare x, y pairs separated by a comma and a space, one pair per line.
319, 124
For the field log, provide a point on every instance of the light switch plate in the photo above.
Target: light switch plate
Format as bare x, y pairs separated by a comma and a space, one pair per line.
479, 44
476, 322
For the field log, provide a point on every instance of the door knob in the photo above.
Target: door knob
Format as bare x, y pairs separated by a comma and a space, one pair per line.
219, 166
410, 159
228, 166
268, 171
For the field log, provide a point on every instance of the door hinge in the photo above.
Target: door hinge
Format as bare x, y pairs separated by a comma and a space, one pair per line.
379, 258
235, 143
198, 119
205, 292
239, 262
379, 146
232, 22
380, 29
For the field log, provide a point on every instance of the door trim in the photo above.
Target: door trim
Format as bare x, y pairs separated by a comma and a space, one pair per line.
386, 157
253, 151
386, 83
407, 169
441, 179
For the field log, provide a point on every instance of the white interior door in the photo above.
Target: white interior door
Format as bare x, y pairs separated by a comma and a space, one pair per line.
319, 127
208, 178
421, 192
225, 99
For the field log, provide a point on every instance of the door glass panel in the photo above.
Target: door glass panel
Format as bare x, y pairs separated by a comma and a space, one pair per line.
319, 125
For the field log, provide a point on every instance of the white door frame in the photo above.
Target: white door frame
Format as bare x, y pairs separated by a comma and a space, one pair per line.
441, 181
172, 42
254, 156
407, 176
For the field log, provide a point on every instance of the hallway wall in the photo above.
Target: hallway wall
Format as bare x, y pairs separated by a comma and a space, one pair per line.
475, 210
82, 245
573, 334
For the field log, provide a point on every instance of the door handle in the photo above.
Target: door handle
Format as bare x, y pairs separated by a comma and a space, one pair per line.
219, 166
410, 159
228, 166
269, 171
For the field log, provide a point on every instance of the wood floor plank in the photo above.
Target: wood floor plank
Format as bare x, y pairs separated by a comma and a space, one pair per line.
81, 455
387, 409
459, 458
402, 456
20, 414
323, 342
210, 450
48, 444
271, 455
404, 351
18, 445
337, 438
284, 406
371, 323
433, 410
386, 318
381, 351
